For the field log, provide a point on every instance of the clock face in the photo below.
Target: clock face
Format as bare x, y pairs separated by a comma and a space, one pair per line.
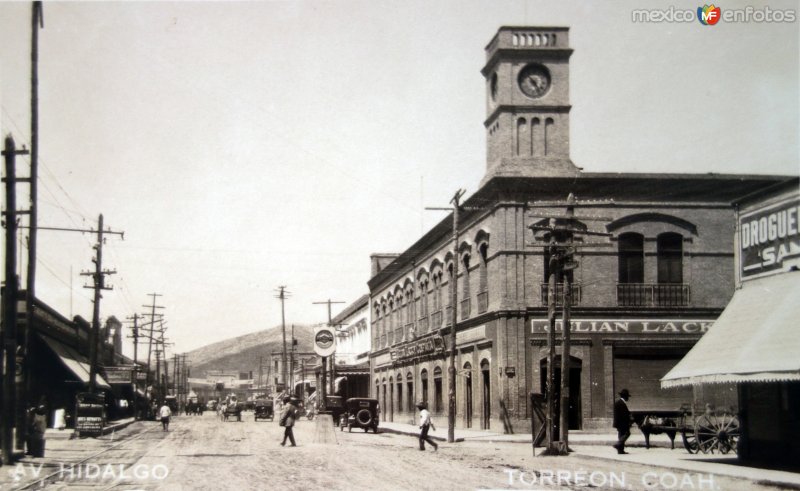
534, 80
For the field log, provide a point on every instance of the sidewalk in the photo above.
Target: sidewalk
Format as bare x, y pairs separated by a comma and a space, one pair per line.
598, 446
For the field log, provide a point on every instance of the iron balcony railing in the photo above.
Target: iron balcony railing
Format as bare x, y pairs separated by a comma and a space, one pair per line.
653, 294
483, 302
436, 320
423, 324
466, 305
576, 292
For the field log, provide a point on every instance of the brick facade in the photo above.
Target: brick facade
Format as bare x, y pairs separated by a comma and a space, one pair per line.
501, 272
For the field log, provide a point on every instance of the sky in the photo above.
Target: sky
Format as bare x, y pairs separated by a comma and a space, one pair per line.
242, 146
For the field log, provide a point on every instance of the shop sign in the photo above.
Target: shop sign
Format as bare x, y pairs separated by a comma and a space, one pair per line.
605, 326
419, 347
90, 414
769, 239
118, 375
324, 341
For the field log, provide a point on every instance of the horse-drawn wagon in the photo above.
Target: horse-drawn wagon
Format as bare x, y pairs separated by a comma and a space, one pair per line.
231, 408
708, 432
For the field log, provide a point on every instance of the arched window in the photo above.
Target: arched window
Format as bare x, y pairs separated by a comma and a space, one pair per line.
483, 275
631, 258
399, 392
670, 258
465, 261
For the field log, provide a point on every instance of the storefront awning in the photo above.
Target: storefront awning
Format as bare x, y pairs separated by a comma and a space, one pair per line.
755, 338
76, 362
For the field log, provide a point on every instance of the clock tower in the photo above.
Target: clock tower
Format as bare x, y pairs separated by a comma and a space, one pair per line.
527, 103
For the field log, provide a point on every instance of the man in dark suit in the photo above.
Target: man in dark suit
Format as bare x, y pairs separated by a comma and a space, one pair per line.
622, 420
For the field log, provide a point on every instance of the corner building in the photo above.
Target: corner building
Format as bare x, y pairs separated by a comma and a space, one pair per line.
639, 303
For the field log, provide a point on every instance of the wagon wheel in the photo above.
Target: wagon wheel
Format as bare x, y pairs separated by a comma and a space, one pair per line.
689, 440
717, 433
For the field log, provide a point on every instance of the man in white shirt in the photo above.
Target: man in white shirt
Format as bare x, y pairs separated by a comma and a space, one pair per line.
164, 413
425, 424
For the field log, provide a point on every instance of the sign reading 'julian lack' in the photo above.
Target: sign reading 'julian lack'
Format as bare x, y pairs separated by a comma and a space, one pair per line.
599, 326
770, 238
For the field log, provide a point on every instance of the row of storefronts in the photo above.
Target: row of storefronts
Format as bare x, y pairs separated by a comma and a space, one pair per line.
58, 365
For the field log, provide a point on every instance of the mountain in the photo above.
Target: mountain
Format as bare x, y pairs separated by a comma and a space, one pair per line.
242, 353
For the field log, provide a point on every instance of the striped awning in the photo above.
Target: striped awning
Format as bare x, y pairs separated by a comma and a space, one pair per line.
755, 339
75, 362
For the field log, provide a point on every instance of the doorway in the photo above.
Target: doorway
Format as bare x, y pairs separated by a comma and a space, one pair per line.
486, 415
468, 395
575, 369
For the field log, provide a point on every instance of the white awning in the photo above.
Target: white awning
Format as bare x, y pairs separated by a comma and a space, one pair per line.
76, 362
756, 338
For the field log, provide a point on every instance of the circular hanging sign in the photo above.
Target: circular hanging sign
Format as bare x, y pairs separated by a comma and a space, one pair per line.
324, 341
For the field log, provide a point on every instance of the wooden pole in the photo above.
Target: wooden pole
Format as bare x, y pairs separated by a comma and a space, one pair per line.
7, 383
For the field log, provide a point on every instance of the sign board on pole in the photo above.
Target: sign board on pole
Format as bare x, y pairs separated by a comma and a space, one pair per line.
324, 341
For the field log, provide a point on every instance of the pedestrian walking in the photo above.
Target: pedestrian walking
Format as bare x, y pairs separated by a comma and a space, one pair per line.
288, 415
622, 420
425, 423
164, 413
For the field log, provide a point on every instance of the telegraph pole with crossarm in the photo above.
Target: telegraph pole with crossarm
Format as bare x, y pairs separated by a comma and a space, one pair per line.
559, 234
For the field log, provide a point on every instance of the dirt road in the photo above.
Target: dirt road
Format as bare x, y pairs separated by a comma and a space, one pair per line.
206, 453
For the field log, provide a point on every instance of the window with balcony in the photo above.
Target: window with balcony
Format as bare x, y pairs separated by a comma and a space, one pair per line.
631, 258
465, 298
483, 279
669, 290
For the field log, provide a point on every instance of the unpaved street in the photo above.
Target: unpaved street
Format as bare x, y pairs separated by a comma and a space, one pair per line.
206, 453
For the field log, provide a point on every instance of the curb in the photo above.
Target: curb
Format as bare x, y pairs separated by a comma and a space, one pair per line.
672, 468
415, 434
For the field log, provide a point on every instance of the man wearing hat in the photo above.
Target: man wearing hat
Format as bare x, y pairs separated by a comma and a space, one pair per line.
622, 420
425, 424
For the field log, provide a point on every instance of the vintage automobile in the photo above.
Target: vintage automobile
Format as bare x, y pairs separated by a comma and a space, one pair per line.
360, 413
264, 409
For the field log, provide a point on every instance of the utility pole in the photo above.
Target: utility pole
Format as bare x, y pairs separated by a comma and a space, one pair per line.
152, 315
282, 295
135, 337
99, 285
451, 370
10, 294
24, 388
291, 361
260, 371
328, 302
559, 234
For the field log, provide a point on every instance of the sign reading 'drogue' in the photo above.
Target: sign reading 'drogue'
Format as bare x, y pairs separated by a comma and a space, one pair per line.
324, 341
426, 346
600, 326
769, 237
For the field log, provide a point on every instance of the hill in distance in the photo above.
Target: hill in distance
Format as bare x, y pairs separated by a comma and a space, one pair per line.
242, 353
